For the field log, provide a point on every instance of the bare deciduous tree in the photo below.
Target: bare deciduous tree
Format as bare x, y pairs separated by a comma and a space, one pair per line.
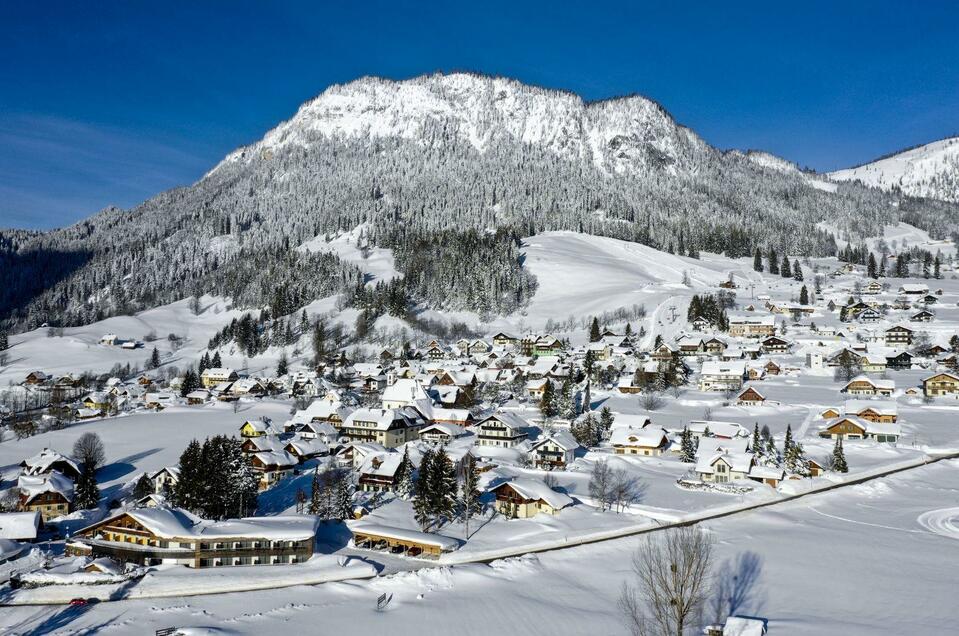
88, 449
673, 583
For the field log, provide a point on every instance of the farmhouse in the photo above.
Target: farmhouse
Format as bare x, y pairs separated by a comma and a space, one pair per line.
48, 461
651, 441
555, 450
852, 427
863, 385
898, 335
722, 376
750, 397
162, 535
941, 384
503, 429
378, 472
441, 432
521, 498
51, 495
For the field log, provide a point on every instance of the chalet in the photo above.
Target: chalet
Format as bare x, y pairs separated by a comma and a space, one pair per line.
503, 339
441, 432
690, 346
722, 376
700, 324
869, 315
853, 428
755, 371
914, 289
898, 335
217, 375
158, 401
719, 430
714, 346
378, 472
50, 494
49, 461
929, 300
306, 448
923, 315
459, 417
600, 350
522, 498
723, 467
664, 352
536, 388
772, 368
555, 450
872, 288
750, 397
389, 427
248, 386
86, 414
941, 384
882, 412
504, 429
36, 377
164, 479
200, 396
815, 468
401, 540
899, 360
273, 466
257, 428
934, 350
769, 475
97, 401
737, 626
752, 327
863, 385
648, 441
873, 362
163, 535
20, 526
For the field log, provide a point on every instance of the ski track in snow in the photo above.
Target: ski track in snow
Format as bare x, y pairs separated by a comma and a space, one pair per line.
944, 522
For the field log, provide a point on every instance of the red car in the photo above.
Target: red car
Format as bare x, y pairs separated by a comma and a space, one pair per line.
78, 602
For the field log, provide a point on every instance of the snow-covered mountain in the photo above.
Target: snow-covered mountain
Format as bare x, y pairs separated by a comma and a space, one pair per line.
930, 171
429, 167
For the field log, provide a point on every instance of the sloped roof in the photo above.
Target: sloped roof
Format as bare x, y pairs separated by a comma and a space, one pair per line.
537, 491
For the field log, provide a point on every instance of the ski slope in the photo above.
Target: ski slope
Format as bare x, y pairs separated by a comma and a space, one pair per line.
583, 274
376, 262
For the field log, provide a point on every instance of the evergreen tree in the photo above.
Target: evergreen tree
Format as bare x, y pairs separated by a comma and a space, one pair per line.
687, 452
936, 264
773, 262
404, 476
587, 398
282, 365
788, 442
803, 296
786, 269
216, 363
154, 361
204, 363
758, 260
795, 460
4, 342
470, 492
143, 488
343, 497
191, 382
188, 490
547, 403
605, 422
628, 333
871, 267
87, 493
594, 335
839, 458
422, 497
757, 445
565, 401
443, 486
797, 271
316, 495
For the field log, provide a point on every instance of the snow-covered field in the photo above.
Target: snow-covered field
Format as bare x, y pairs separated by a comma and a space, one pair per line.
858, 561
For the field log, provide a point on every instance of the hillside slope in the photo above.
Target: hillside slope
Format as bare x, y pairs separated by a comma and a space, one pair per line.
438, 155
930, 171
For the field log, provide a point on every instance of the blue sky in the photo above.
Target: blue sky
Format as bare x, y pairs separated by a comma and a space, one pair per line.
107, 103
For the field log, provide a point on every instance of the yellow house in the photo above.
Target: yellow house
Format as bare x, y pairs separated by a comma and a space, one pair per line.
941, 384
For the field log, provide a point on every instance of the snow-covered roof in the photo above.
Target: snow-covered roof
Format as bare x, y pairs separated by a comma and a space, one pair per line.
719, 429
279, 458
563, 439
738, 462
723, 368
878, 383
44, 460
171, 523
404, 534
381, 464
405, 391
713, 445
650, 437
453, 430
508, 419
19, 526
537, 490
744, 626
854, 407
31, 486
